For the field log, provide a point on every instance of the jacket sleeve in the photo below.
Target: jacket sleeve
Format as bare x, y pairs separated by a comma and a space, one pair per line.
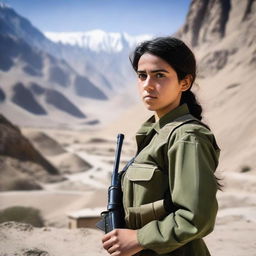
192, 161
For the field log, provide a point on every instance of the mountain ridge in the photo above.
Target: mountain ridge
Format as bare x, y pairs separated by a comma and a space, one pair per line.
224, 42
34, 81
98, 40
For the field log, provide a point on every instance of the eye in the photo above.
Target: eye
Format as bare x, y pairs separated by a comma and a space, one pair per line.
160, 75
142, 76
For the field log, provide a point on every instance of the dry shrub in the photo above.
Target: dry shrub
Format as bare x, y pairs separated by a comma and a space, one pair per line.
22, 214
22, 184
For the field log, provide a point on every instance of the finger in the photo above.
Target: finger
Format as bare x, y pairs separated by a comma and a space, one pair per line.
106, 237
114, 232
116, 253
109, 243
106, 245
113, 249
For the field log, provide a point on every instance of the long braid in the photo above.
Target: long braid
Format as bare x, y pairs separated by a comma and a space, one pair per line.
194, 107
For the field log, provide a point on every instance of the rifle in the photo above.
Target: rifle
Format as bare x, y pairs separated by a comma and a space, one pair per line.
114, 216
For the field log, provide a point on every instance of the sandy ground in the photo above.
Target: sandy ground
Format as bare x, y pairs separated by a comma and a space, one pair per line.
28, 241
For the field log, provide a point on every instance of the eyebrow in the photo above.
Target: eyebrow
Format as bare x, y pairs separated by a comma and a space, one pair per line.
153, 71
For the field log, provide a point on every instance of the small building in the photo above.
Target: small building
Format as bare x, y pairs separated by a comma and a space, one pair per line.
85, 218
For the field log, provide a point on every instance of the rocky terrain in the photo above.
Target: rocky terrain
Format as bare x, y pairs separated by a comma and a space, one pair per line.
224, 41
27, 162
21, 164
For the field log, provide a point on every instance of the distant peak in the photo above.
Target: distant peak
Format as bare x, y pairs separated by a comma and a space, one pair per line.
4, 5
97, 40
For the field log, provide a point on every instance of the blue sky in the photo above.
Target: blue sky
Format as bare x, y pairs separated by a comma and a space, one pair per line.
158, 17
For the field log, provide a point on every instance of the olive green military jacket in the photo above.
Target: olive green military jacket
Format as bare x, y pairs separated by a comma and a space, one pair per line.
169, 191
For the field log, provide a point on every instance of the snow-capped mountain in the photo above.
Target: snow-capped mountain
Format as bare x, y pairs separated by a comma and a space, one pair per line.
97, 50
98, 40
36, 85
44, 80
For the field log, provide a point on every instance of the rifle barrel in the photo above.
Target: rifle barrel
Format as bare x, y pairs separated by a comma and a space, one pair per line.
114, 180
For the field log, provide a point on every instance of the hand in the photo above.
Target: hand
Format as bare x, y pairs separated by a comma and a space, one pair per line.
121, 242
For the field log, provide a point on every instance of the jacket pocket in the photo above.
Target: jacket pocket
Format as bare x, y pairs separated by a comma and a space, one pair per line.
147, 183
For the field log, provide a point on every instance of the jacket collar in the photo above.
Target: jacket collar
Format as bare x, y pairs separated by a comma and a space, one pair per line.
167, 118
150, 127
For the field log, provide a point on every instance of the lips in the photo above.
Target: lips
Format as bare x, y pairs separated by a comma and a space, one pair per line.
149, 97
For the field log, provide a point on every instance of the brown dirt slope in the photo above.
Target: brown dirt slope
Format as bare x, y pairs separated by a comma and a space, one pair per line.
14, 144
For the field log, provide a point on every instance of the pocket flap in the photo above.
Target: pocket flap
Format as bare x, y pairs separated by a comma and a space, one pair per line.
140, 173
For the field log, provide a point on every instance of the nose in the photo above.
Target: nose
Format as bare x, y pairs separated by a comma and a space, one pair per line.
148, 84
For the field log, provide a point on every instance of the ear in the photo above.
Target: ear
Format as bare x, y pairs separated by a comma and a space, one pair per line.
186, 83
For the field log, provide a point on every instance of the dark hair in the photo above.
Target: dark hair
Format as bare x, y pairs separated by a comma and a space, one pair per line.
178, 55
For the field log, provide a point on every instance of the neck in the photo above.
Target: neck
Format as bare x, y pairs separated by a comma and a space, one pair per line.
156, 117
159, 113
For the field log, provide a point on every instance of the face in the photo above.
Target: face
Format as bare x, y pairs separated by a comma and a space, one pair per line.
158, 84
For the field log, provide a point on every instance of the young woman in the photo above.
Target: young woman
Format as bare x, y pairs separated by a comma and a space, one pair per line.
169, 191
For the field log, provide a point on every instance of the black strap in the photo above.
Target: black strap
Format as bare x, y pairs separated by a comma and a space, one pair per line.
146, 141
128, 164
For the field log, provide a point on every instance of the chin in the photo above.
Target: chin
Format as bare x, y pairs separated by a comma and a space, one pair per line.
150, 108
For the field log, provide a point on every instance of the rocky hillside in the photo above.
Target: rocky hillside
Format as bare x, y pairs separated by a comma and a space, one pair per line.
105, 52
15, 145
30, 159
13, 24
22, 166
48, 84
223, 36
33, 81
